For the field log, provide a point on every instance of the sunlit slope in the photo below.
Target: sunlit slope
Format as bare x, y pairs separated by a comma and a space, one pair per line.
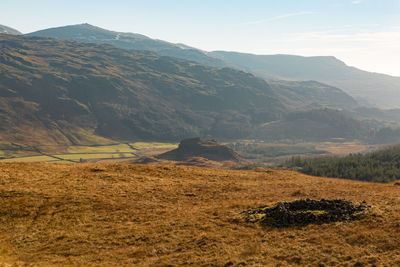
66, 92
369, 88
120, 214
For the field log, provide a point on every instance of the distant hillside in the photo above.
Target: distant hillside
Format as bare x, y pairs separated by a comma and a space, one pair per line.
313, 125
368, 88
379, 166
92, 34
8, 30
389, 115
70, 92
325, 124
296, 94
313, 94
62, 91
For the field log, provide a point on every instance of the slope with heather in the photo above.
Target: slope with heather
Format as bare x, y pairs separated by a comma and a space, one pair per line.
67, 92
368, 88
66, 85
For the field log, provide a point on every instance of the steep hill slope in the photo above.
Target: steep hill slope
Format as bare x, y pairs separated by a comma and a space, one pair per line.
368, 88
313, 125
307, 93
69, 92
372, 88
64, 85
92, 34
8, 30
312, 94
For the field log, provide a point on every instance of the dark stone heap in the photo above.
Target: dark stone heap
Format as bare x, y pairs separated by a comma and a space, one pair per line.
307, 211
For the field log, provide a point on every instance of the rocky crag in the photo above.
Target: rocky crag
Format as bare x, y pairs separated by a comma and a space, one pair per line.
196, 147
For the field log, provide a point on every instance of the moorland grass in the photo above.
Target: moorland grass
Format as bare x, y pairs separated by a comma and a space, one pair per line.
55, 214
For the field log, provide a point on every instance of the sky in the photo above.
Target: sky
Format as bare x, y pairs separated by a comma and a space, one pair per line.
362, 33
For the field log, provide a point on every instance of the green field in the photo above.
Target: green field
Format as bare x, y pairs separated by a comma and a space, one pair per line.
30, 159
117, 148
84, 153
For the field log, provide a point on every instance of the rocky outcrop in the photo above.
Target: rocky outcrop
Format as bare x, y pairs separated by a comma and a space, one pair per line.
196, 147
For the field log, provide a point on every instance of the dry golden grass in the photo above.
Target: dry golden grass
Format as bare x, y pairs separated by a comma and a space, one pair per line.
141, 215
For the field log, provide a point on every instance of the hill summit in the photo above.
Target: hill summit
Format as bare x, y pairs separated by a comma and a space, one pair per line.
196, 147
8, 30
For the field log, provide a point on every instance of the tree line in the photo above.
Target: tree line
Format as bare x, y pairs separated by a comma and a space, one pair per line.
379, 166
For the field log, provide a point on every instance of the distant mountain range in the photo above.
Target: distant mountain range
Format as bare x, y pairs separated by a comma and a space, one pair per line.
368, 88
71, 92
372, 89
8, 30
61, 91
91, 34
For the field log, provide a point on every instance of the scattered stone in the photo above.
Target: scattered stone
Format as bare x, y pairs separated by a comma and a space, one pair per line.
306, 211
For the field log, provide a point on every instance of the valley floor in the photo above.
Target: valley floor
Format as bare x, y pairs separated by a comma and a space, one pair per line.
120, 214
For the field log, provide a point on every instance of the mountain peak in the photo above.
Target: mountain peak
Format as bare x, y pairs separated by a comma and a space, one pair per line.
8, 30
132, 41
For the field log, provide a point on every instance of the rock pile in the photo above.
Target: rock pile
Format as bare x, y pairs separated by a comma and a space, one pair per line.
307, 211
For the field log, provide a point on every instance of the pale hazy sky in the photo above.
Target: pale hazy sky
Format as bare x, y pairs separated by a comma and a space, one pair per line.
362, 33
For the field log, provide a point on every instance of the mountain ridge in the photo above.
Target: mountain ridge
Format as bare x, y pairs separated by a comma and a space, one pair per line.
326, 69
55, 89
371, 89
125, 40
9, 30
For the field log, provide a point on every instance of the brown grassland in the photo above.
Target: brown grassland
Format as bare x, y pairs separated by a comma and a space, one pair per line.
99, 214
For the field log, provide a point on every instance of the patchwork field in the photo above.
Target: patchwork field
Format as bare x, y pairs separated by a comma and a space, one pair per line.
79, 153
270, 154
99, 214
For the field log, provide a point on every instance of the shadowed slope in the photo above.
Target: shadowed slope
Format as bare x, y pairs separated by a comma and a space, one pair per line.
56, 85
310, 93
69, 92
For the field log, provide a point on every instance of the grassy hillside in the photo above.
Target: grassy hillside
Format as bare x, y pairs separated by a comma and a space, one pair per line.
368, 88
309, 93
379, 166
317, 124
52, 89
8, 30
313, 94
91, 34
120, 214
66, 92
